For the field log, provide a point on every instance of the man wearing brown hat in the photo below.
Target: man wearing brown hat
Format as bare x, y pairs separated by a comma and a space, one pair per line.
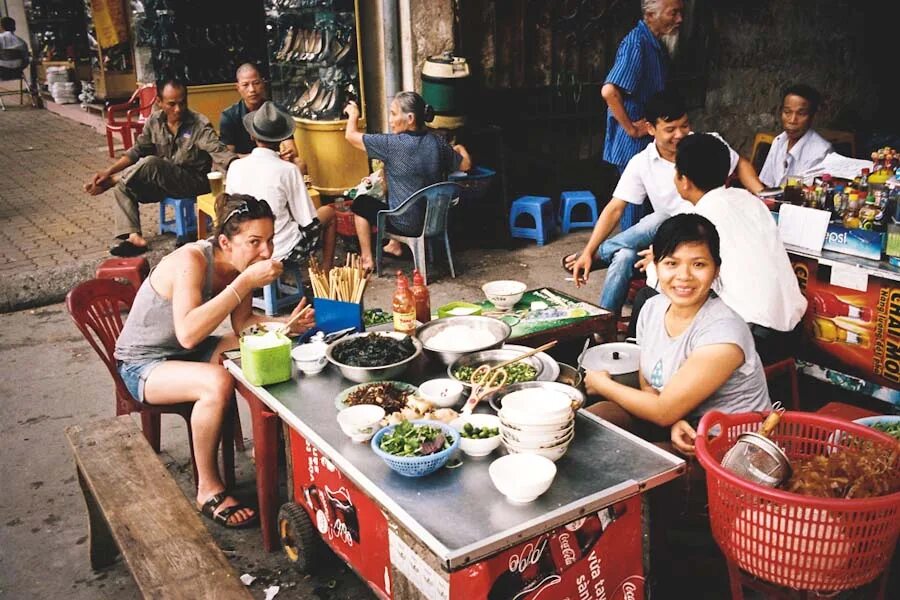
264, 175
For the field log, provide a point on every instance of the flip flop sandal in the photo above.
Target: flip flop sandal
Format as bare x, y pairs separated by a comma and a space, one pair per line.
127, 249
562, 261
209, 510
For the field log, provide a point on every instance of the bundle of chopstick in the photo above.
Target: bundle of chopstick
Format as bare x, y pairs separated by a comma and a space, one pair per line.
346, 284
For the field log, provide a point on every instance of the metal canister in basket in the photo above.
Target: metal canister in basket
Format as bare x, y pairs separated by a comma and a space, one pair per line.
756, 458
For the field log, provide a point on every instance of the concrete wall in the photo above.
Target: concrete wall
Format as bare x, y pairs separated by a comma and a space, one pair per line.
754, 48
431, 32
757, 48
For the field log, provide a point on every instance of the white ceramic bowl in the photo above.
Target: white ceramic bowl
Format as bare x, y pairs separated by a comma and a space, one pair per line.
360, 422
477, 446
310, 358
504, 293
552, 454
534, 445
522, 477
535, 406
443, 393
539, 437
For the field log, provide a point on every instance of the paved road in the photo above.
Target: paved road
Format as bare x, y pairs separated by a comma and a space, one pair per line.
52, 234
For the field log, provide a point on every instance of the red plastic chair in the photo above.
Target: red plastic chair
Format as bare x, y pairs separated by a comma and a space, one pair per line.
136, 111
96, 308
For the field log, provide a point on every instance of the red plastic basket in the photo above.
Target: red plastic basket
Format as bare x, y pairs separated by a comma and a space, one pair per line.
791, 540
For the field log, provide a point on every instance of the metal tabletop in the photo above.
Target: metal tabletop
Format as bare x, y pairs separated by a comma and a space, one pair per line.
458, 513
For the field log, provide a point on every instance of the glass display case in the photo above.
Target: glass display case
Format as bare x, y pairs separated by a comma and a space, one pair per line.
313, 56
57, 30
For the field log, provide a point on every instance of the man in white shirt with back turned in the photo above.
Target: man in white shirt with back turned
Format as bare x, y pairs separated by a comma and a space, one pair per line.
798, 148
264, 175
756, 278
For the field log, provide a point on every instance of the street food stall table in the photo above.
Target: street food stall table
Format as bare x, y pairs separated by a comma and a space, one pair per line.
452, 534
852, 328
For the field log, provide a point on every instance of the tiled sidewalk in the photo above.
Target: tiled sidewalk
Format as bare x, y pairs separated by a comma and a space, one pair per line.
52, 234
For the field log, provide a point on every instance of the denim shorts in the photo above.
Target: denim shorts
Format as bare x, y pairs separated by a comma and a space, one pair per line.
134, 373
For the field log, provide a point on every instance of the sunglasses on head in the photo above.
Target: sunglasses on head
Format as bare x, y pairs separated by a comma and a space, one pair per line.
250, 205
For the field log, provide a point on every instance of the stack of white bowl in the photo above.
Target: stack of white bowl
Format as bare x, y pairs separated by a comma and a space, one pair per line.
537, 421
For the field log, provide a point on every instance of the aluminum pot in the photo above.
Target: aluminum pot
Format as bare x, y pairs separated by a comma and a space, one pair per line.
621, 360
497, 328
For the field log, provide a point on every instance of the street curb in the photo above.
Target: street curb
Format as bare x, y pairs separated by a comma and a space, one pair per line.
50, 285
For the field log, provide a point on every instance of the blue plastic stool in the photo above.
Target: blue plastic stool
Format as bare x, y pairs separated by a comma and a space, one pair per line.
541, 210
567, 203
278, 295
184, 223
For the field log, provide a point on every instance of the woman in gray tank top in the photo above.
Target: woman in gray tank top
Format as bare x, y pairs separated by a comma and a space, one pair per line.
167, 352
697, 354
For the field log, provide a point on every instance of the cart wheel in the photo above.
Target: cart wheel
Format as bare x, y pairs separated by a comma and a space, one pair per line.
299, 539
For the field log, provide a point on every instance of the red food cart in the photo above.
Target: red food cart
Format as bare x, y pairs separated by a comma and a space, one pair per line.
451, 534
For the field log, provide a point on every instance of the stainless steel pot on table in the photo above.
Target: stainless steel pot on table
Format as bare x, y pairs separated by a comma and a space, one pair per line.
622, 360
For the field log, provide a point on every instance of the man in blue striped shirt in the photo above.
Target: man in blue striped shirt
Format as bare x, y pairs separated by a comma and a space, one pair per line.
639, 72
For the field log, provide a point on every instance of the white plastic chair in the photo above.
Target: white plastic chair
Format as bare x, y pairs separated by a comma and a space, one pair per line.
439, 198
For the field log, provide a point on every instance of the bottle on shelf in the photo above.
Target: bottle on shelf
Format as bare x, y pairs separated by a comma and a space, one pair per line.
404, 306
829, 331
826, 304
422, 296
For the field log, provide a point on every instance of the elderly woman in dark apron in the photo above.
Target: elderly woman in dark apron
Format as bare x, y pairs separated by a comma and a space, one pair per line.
167, 353
413, 158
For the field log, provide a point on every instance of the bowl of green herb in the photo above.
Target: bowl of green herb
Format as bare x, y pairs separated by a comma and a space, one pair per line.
416, 448
527, 369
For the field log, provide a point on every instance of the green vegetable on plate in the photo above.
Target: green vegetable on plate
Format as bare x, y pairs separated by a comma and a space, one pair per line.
415, 440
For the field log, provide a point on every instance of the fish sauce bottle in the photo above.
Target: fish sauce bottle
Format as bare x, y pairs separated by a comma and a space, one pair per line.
404, 306
422, 296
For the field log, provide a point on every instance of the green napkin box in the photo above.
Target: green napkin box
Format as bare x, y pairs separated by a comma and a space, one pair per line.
265, 365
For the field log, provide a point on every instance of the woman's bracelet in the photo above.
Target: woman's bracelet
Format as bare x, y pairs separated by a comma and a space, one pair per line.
235, 292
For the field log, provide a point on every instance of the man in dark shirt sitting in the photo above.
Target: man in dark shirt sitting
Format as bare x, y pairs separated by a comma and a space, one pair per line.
252, 88
170, 158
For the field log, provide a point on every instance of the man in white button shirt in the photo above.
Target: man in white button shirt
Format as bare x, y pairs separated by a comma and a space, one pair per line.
265, 176
756, 278
648, 175
798, 148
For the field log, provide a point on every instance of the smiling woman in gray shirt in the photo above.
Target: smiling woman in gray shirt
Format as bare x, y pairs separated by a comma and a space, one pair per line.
697, 354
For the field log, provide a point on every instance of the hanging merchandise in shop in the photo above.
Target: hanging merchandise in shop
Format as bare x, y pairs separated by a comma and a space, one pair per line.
110, 22
202, 41
313, 58
112, 60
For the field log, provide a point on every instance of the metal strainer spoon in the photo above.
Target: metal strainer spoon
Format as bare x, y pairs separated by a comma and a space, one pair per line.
756, 458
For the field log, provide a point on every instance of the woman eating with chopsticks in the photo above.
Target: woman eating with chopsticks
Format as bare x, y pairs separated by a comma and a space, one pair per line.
168, 353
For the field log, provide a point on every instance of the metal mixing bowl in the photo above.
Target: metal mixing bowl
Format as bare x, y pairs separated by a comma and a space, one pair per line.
491, 358
500, 330
368, 374
569, 375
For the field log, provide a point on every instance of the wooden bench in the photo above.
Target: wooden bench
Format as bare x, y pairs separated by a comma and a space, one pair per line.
135, 508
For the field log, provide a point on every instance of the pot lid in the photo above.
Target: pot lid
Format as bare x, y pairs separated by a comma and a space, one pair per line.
617, 358
446, 66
